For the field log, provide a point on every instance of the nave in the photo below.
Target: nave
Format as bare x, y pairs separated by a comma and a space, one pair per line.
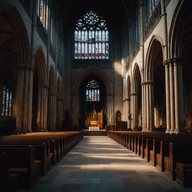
99, 164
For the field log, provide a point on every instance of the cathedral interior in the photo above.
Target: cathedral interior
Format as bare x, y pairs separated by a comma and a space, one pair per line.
68, 65
128, 60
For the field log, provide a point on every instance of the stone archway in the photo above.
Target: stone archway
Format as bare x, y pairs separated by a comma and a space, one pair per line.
136, 112
154, 84
39, 107
76, 96
15, 70
181, 59
93, 101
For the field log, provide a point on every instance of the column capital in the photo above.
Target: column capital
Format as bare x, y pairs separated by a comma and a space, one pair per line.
127, 99
176, 60
148, 82
166, 62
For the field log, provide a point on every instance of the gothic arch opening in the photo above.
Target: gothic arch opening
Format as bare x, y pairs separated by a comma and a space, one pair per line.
181, 51
14, 48
39, 85
156, 81
136, 100
93, 103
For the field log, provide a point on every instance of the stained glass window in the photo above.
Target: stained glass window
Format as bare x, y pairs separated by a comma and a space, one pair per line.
7, 102
92, 91
42, 12
91, 37
151, 4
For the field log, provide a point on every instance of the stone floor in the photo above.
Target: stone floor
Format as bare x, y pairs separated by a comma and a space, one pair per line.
98, 164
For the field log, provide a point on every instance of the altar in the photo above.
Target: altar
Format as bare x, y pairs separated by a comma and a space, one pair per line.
94, 129
94, 120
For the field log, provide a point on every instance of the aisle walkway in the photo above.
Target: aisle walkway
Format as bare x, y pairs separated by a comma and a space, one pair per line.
98, 164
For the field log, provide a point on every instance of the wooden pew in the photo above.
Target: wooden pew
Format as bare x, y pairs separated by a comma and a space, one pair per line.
21, 161
184, 174
8, 181
178, 153
42, 155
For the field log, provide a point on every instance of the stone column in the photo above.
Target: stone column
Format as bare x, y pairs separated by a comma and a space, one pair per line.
178, 92
19, 99
172, 98
176, 97
59, 113
45, 107
76, 109
134, 111
167, 88
144, 107
110, 119
129, 118
30, 99
24, 100
52, 112
42, 108
149, 106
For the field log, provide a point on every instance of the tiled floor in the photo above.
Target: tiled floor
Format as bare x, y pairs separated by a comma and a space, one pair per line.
98, 164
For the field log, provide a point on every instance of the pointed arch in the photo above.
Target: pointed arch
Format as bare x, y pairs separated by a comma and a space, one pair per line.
154, 83
136, 99
91, 37
180, 55
95, 72
40, 66
14, 56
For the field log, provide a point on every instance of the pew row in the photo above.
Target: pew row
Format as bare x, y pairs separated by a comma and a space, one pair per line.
168, 152
48, 148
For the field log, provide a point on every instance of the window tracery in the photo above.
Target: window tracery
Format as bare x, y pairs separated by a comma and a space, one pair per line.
91, 38
92, 91
7, 101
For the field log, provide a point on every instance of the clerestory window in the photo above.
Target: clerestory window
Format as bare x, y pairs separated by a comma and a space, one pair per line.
91, 37
42, 12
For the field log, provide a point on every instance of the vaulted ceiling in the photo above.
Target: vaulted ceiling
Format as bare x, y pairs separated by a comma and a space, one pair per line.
116, 13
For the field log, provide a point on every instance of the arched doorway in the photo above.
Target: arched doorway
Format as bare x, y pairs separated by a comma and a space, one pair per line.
92, 103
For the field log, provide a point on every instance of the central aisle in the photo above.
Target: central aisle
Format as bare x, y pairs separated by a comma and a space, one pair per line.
99, 164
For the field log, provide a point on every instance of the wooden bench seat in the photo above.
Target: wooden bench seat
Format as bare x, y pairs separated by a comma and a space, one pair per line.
21, 162
184, 174
8, 181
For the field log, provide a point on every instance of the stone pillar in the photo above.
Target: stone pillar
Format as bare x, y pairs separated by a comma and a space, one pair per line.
19, 100
24, 100
45, 107
167, 88
110, 110
42, 108
176, 97
149, 106
30, 99
52, 112
129, 118
59, 113
144, 107
172, 98
134, 111
178, 92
